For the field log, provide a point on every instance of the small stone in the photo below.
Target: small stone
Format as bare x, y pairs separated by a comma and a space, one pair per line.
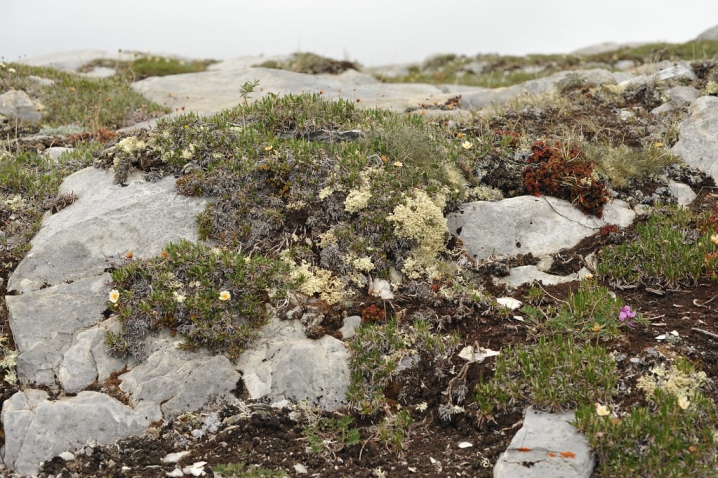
465, 444
300, 469
67, 456
195, 469
175, 473
175, 457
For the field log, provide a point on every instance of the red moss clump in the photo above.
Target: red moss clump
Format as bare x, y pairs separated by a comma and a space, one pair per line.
372, 313
564, 172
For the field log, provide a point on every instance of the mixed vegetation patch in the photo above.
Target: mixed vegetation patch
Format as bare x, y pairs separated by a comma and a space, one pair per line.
320, 204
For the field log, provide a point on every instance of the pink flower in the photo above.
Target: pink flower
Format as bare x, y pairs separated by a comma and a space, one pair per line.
626, 315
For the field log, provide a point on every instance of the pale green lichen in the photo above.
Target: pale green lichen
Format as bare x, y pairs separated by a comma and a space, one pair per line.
673, 380
357, 199
363, 264
712, 88
421, 218
8, 362
315, 280
486, 193
131, 144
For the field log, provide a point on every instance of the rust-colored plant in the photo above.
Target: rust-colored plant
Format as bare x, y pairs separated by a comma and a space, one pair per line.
564, 172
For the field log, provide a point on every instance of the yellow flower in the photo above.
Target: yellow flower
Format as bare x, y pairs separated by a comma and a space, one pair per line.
114, 296
466, 145
684, 403
596, 328
268, 148
459, 135
658, 145
398, 164
714, 238
602, 410
225, 295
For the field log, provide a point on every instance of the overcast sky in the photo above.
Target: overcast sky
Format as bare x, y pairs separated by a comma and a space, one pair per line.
372, 32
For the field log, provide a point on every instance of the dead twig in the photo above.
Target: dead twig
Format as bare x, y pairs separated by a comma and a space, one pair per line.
705, 332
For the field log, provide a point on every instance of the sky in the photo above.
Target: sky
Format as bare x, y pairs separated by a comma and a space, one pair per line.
371, 32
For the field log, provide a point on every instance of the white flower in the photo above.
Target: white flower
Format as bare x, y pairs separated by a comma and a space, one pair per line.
602, 410
179, 298
11, 70
466, 145
683, 402
114, 296
225, 295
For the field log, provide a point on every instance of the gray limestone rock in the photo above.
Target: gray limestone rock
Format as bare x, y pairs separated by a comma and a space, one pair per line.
210, 92
546, 436
87, 360
540, 225
350, 323
284, 364
679, 97
682, 192
36, 429
44, 324
603, 48
487, 97
698, 143
668, 71
180, 381
106, 222
55, 152
17, 105
710, 34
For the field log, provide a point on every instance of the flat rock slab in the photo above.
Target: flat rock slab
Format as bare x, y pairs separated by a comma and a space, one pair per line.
36, 428
180, 381
44, 324
210, 92
698, 141
540, 225
546, 446
284, 364
105, 223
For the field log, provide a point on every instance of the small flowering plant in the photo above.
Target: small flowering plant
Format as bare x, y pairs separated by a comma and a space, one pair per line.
626, 315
